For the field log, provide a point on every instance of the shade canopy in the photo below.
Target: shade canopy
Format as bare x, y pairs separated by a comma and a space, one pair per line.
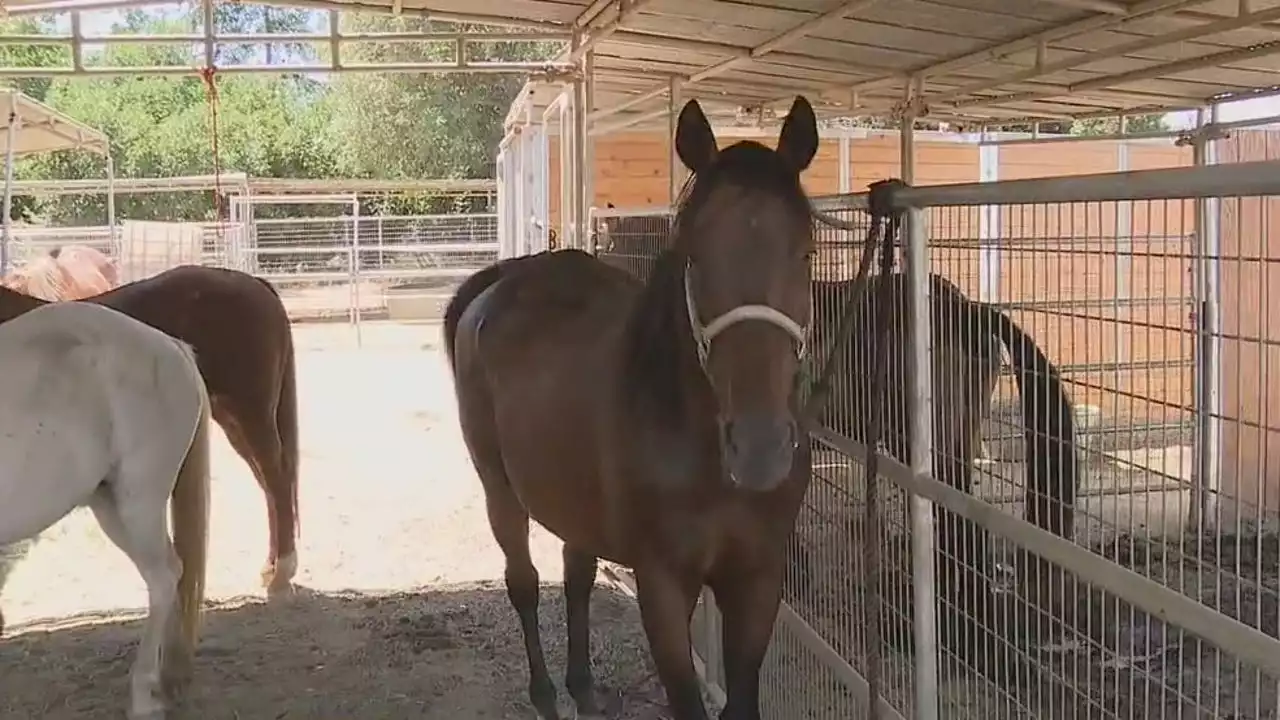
41, 129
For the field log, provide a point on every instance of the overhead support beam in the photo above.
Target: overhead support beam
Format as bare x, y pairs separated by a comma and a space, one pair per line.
1086, 58
60, 6
586, 17
628, 122
645, 40
553, 71
741, 55
1147, 73
1110, 7
613, 16
1025, 43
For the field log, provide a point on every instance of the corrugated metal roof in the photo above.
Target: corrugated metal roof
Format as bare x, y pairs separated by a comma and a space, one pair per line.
980, 60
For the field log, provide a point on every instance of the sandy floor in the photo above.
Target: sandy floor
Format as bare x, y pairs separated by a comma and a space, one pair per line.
404, 614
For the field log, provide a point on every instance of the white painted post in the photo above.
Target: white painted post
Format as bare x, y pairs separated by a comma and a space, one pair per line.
917, 267
844, 178
677, 170
989, 219
1207, 448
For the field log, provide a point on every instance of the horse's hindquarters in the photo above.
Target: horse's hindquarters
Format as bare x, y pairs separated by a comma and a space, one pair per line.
529, 376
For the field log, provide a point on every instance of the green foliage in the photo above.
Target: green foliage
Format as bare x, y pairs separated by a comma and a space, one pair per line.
33, 56
416, 125
161, 126
1110, 126
407, 126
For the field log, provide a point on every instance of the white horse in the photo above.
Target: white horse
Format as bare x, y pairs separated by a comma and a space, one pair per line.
99, 409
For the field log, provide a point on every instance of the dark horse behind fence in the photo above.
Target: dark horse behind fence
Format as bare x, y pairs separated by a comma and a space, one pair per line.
967, 336
243, 342
654, 425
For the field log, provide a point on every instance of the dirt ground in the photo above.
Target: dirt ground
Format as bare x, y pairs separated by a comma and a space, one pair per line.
402, 613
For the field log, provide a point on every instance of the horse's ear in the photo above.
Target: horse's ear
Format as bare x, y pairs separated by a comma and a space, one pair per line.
798, 142
695, 141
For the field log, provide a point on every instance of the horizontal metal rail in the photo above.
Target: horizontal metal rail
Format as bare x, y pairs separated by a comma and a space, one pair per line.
368, 274
365, 249
1183, 183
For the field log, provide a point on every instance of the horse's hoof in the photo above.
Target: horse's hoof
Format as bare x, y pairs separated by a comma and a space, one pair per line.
157, 713
280, 590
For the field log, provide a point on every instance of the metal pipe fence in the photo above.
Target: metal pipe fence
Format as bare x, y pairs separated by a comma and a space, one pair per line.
324, 267
1111, 556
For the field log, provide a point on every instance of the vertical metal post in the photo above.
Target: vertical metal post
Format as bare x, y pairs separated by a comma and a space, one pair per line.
844, 177
920, 385
580, 164
11, 133
586, 152
568, 168
355, 268
677, 169
1124, 263
1208, 376
504, 198
540, 182
335, 41
210, 35
113, 238
989, 220
77, 43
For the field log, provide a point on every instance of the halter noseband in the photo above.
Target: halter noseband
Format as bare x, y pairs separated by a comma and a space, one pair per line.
704, 334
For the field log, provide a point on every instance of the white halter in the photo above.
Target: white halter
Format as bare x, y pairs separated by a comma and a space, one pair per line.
704, 334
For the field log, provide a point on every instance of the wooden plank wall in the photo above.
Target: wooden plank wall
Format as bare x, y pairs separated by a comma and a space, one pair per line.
1250, 282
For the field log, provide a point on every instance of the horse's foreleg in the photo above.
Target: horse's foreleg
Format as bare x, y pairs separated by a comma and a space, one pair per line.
748, 603
666, 607
579, 579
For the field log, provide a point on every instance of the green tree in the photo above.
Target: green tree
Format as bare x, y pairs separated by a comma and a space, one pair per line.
161, 126
1111, 125
32, 56
416, 125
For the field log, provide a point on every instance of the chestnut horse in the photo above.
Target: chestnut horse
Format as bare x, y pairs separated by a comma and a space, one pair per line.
71, 272
243, 342
653, 425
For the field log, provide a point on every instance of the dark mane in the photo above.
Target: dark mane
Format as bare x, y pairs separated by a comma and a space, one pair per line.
658, 342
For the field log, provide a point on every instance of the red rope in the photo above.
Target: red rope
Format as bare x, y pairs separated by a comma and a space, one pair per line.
208, 74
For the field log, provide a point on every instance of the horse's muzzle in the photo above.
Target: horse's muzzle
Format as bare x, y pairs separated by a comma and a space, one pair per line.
758, 449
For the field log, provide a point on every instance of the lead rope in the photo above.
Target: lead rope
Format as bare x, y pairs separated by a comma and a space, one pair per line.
209, 76
885, 223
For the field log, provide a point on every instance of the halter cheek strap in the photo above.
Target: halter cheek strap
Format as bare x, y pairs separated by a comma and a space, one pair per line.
703, 335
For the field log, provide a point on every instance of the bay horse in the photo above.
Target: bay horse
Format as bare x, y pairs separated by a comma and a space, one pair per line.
966, 354
102, 410
70, 272
244, 345
653, 425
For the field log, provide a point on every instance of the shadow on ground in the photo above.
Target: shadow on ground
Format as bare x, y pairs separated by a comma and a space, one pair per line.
452, 652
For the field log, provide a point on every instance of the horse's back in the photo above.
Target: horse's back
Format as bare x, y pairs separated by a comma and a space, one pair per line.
84, 387
548, 304
236, 322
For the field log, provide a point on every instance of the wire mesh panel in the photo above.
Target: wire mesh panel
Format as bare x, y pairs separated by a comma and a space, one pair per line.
631, 239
